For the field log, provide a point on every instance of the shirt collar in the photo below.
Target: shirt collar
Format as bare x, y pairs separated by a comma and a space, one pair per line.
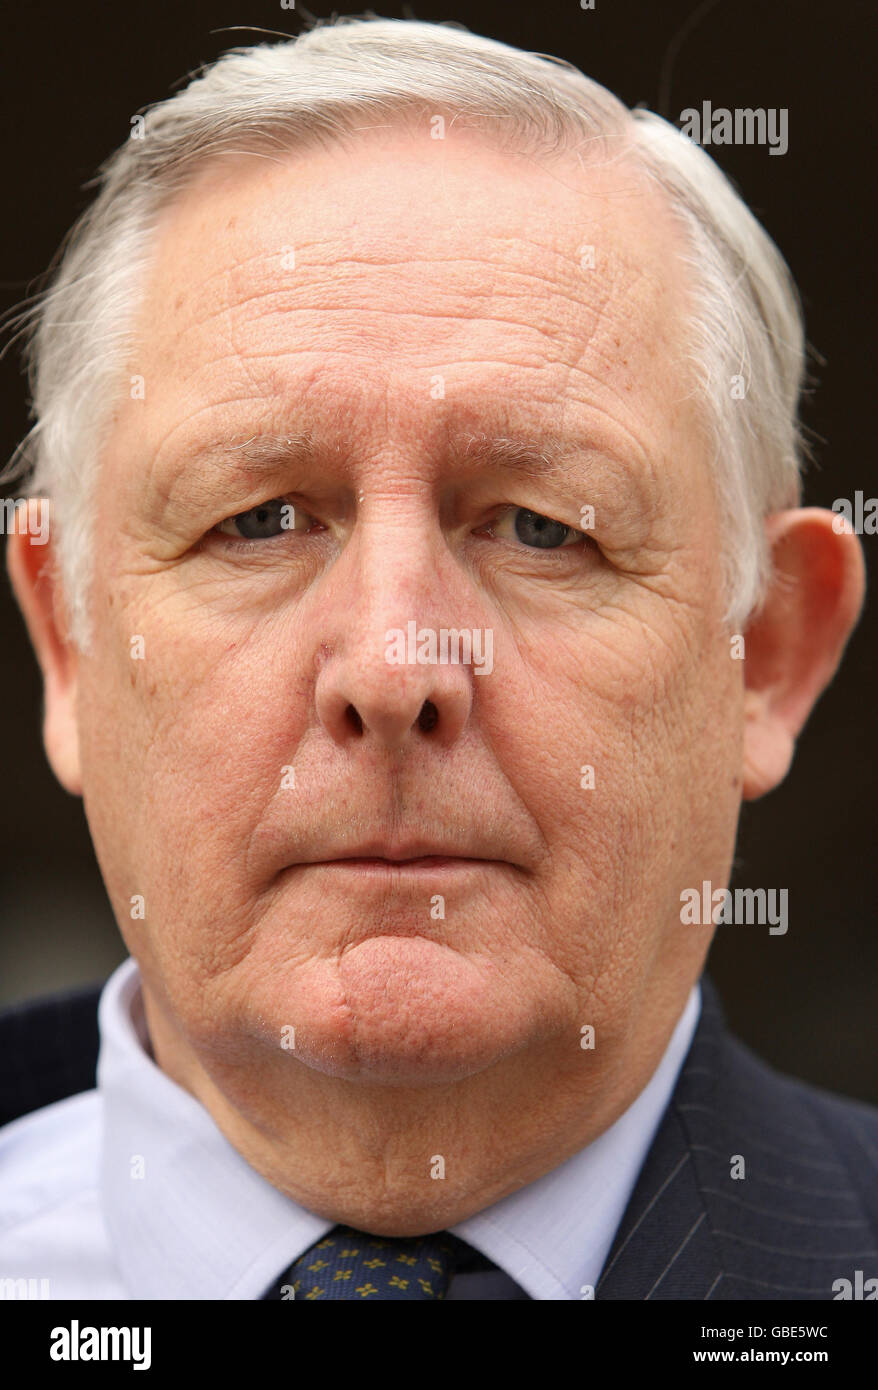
185, 1211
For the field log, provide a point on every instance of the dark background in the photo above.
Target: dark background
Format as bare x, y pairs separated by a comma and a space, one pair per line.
74, 74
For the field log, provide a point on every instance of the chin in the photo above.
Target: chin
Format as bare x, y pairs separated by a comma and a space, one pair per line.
404, 1011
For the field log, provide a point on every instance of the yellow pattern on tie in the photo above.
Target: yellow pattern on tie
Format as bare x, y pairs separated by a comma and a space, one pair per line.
351, 1264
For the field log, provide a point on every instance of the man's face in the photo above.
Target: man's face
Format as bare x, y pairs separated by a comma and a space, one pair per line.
394, 308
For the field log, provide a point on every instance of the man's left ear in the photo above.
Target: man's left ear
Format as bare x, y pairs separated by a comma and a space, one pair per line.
794, 643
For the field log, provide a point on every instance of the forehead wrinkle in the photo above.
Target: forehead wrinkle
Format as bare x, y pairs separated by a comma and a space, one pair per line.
292, 301
280, 199
619, 270
607, 295
234, 327
555, 343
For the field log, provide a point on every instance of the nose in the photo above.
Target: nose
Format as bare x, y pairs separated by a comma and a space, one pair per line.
390, 675
360, 695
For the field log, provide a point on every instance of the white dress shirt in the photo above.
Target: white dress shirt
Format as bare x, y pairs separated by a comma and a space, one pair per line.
130, 1190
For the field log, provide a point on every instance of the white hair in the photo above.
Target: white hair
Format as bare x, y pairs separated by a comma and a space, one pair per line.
332, 81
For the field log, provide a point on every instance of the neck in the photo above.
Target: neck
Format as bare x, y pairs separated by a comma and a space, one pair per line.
401, 1159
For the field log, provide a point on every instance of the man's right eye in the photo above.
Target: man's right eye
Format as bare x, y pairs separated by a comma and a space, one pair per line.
267, 520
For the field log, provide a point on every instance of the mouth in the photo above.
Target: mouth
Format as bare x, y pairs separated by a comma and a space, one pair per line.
388, 860
422, 863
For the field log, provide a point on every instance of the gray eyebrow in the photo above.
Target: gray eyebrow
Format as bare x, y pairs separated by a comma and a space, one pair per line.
534, 458
262, 451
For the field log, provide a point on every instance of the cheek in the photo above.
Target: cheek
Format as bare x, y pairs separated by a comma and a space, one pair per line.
627, 763
184, 745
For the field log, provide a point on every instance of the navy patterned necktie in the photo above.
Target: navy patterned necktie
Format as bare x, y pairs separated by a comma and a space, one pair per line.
349, 1264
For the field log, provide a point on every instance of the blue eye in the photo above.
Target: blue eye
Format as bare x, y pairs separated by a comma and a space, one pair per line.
532, 529
269, 519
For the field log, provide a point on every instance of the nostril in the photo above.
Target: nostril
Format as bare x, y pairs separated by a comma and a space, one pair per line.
428, 717
353, 717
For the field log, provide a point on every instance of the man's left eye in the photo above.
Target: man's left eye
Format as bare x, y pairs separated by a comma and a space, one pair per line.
534, 530
265, 521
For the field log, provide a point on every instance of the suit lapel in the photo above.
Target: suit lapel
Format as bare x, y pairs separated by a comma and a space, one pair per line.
751, 1189
664, 1248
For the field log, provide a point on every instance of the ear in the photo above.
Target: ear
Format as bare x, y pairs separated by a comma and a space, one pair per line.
32, 565
795, 640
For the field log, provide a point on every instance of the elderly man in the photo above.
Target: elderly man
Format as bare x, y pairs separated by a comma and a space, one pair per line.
426, 588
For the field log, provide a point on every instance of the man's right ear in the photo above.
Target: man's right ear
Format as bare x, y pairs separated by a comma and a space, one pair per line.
32, 564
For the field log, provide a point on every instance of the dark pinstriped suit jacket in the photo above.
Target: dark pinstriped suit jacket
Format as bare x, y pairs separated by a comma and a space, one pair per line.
804, 1215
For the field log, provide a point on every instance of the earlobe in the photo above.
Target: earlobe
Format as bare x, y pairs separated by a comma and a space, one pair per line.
768, 751
794, 643
33, 573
